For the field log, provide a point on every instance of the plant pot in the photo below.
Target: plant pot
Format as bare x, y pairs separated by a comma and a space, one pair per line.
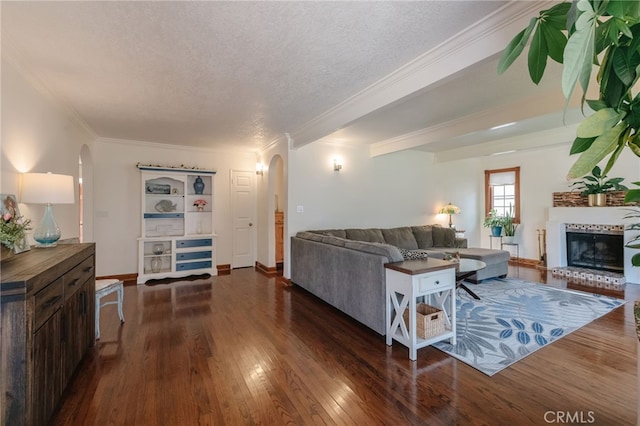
496, 231
508, 239
597, 200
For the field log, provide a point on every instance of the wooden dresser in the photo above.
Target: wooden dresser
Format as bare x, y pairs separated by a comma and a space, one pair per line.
47, 305
279, 237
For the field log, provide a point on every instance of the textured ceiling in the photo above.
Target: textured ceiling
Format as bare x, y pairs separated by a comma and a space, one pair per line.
215, 74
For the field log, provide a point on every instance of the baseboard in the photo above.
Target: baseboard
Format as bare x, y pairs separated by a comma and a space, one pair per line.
224, 269
267, 270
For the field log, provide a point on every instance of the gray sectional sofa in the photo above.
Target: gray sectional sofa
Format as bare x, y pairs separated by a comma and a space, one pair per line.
345, 267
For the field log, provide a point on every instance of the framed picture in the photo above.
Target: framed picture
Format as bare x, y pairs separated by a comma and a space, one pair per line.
158, 188
9, 204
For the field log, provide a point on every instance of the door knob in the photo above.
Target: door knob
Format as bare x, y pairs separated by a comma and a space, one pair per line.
250, 224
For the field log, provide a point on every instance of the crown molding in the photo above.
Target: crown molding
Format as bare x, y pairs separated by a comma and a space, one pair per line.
482, 40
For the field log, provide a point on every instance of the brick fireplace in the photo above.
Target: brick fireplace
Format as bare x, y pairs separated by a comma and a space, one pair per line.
594, 220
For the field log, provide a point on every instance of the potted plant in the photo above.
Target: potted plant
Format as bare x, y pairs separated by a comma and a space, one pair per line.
495, 222
13, 229
509, 227
596, 185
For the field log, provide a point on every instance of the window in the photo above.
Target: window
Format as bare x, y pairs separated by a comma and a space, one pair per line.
502, 191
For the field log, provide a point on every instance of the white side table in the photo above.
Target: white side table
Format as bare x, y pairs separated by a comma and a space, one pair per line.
431, 279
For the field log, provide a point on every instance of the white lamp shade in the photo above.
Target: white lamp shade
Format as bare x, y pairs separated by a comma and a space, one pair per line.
47, 188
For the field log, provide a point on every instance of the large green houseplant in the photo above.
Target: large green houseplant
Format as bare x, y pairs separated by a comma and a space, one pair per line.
585, 35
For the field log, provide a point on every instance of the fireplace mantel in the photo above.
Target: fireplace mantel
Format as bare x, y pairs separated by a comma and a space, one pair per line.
556, 235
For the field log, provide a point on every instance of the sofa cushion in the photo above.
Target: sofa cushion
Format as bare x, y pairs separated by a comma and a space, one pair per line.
341, 233
423, 236
309, 235
400, 237
488, 256
413, 254
372, 235
390, 252
443, 237
321, 238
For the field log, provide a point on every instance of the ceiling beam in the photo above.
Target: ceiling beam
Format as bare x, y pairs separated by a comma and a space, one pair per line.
476, 43
540, 104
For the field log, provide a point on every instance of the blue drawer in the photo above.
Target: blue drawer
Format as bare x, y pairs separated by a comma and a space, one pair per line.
163, 215
194, 243
193, 265
194, 255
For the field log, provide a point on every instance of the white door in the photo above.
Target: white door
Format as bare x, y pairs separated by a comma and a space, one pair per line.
242, 210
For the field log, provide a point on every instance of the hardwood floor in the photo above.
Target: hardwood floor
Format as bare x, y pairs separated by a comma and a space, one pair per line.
247, 349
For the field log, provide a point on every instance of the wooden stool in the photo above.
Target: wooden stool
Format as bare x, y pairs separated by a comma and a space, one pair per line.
104, 288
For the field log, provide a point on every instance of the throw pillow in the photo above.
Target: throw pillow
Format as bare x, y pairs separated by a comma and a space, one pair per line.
443, 237
372, 235
423, 235
400, 237
413, 254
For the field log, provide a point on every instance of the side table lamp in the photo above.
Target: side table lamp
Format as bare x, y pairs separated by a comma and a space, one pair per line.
47, 189
449, 209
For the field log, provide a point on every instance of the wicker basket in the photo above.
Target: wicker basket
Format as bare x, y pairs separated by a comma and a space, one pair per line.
429, 321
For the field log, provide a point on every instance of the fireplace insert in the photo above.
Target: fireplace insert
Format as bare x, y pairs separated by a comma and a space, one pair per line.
604, 252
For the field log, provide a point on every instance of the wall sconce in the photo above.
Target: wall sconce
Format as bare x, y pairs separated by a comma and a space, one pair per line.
260, 169
337, 164
48, 189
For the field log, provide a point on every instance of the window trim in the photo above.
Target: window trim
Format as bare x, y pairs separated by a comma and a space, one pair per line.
487, 190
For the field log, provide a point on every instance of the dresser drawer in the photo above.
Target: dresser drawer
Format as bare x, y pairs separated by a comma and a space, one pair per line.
186, 266
77, 276
434, 281
194, 255
46, 302
204, 242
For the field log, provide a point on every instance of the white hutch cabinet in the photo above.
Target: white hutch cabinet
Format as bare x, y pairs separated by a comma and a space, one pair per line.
177, 235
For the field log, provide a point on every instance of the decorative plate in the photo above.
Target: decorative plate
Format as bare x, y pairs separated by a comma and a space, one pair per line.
164, 206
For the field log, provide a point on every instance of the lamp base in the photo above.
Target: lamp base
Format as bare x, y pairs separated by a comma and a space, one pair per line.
47, 233
44, 244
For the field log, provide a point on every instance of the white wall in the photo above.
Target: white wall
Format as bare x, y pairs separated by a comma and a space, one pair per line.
117, 196
38, 135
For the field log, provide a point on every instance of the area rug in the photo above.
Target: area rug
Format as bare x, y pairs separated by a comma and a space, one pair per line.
515, 318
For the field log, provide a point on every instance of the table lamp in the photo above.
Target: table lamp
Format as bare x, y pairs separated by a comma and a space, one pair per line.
449, 209
47, 189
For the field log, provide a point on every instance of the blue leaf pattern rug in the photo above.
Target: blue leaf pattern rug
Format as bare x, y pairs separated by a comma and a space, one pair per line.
514, 318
